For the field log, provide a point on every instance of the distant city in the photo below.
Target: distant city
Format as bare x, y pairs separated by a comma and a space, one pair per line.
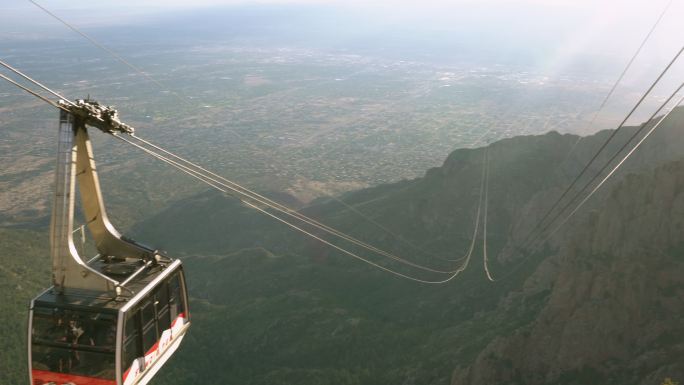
302, 121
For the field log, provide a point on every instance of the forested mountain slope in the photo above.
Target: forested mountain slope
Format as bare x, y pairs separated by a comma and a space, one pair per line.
613, 297
271, 306
279, 308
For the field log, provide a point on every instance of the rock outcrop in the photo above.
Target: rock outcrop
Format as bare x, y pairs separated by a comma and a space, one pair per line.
614, 310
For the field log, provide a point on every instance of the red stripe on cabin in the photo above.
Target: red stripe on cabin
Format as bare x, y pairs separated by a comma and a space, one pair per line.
152, 349
41, 377
181, 315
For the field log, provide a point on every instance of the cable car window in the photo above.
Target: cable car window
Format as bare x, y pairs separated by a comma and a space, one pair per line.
149, 337
73, 361
162, 294
49, 324
147, 312
76, 328
132, 343
71, 341
162, 304
103, 332
149, 325
176, 300
131, 325
131, 352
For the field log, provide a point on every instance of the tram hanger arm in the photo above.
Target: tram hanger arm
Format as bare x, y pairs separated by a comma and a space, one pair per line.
104, 118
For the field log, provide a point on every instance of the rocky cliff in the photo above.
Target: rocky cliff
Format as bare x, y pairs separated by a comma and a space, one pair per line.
614, 297
601, 303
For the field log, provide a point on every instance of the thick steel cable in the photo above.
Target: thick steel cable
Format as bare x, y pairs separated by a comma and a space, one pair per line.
200, 177
398, 237
617, 166
295, 214
484, 220
140, 71
283, 207
477, 221
278, 206
540, 244
41, 97
536, 231
481, 138
610, 161
107, 50
208, 181
137, 69
290, 213
23, 75
388, 270
619, 79
529, 238
387, 230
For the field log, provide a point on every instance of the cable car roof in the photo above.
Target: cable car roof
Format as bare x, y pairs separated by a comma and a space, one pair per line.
83, 299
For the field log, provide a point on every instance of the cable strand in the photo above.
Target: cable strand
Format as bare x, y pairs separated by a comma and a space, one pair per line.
37, 95
534, 234
288, 212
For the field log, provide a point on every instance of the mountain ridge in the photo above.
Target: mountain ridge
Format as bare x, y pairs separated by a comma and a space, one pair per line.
273, 307
455, 326
614, 305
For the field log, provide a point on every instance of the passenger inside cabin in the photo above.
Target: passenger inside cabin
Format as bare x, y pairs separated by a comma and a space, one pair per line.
59, 332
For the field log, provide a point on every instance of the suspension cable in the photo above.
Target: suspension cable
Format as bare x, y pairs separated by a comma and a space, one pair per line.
529, 240
236, 188
41, 97
538, 245
534, 233
283, 209
387, 230
619, 79
617, 166
299, 216
286, 210
108, 51
484, 220
147, 76
23, 75
217, 186
609, 162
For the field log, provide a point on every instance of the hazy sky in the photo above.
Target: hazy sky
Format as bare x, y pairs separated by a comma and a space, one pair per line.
563, 29
555, 38
619, 21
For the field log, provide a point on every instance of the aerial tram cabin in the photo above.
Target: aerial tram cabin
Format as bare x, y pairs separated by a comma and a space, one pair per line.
118, 317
